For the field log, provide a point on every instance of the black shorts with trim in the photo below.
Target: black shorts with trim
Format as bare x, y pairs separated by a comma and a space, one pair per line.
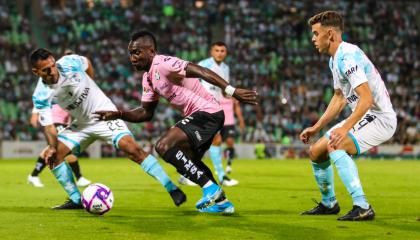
201, 127
228, 131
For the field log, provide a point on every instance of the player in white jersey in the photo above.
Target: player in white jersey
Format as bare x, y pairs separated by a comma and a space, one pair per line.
67, 83
218, 53
373, 121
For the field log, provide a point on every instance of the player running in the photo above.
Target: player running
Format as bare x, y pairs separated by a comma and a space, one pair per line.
372, 122
61, 119
183, 145
67, 83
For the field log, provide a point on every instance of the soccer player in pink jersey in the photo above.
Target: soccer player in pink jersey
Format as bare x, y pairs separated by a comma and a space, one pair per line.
230, 107
184, 144
61, 119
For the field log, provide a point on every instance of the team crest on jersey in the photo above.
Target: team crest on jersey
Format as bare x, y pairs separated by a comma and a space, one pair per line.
157, 76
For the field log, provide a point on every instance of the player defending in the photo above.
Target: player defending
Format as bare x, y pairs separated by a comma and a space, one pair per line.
61, 119
183, 145
67, 82
218, 52
372, 122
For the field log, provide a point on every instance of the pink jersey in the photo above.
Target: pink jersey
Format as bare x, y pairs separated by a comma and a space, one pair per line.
188, 97
227, 105
59, 115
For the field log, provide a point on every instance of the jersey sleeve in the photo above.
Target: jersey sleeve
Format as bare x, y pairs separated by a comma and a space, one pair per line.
148, 94
41, 99
352, 70
73, 63
173, 68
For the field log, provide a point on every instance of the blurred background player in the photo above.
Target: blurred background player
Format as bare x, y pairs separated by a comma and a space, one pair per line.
61, 118
230, 107
218, 53
357, 83
184, 144
69, 82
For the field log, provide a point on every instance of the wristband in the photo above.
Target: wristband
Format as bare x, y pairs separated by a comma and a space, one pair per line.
229, 90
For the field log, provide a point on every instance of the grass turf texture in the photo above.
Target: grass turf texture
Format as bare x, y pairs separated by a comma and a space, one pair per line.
268, 201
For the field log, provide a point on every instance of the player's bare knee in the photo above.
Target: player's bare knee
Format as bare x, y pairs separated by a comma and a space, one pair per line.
313, 153
136, 153
162, 147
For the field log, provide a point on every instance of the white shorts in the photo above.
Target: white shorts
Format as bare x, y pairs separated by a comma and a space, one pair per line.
372, 130
77, 137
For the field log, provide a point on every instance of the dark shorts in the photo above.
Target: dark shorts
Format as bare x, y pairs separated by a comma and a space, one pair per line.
228, 131
201, 127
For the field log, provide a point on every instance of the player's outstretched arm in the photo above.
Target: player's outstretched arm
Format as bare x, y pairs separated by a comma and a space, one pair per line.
143, 113
243, 95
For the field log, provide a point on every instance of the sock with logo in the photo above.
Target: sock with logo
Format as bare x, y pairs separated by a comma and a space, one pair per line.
177, 158
63, 174
39, 166
347, 170
324, 176
151, 165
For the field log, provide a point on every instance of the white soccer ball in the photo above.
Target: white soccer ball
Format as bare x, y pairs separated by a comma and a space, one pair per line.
97, 199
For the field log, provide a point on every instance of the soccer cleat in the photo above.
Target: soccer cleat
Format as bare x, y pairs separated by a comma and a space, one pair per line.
210, 196
358, 214
228, 169
222, 207
185, 181
35, 181
69, 204
321, 209
83, 182
229, 182
178, 196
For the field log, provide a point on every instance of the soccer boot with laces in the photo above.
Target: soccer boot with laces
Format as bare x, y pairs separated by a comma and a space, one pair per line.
321, 209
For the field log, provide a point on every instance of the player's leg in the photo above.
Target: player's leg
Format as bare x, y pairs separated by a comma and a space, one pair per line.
230, 153
194, 131
225, 133
62, 172
148, 163
74, 164
39, 166
216, 156
324, 177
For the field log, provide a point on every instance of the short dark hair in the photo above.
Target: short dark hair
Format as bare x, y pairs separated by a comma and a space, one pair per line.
144, 34
218, 43
39, 54
328, 18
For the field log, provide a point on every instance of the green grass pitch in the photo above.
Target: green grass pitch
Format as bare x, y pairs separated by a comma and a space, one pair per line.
268, 201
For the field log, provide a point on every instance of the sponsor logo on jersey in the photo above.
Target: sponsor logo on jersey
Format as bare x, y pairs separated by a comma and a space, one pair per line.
352, 98
157, 76
351, 71
79, 100
170, 98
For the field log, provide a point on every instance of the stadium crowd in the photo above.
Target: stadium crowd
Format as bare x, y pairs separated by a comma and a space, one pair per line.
269, 50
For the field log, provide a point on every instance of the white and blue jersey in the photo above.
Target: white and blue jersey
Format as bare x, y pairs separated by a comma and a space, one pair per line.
221, 69
351, 67
75, 92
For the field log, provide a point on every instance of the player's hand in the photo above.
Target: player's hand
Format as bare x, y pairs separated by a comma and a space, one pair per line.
50, 156
34, 120
337, 136
246, 96
107, 115
242, 125
306, 135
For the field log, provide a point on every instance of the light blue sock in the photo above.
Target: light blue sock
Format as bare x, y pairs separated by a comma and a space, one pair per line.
64, 176
347, 170
153, 168
216, 158
324, 176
